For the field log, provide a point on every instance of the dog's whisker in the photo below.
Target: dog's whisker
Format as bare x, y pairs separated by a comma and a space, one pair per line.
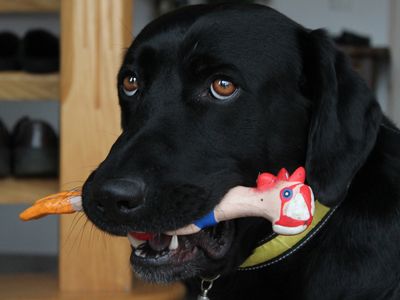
127, 28
90, 235
82, 234
77, 184
103, 238
76, 220
67, 242
72, 226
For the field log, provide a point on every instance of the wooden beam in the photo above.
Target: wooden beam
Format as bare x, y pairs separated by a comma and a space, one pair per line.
94, 34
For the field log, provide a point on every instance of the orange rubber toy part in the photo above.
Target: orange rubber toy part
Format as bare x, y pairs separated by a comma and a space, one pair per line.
53, 204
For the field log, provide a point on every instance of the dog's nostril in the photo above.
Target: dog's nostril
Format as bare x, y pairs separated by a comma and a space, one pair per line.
126, 206
100, 207
120, 197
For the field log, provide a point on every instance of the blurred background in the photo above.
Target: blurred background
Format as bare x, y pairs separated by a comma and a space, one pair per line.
30, 105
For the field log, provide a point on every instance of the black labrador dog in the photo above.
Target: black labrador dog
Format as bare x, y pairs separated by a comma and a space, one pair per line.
210, 97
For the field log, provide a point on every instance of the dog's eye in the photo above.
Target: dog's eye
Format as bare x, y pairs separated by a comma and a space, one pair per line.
130, 85
222, 89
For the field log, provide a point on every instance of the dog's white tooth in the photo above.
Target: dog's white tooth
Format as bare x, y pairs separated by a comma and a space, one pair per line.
157, 256
135, 242
140, 253
174, 243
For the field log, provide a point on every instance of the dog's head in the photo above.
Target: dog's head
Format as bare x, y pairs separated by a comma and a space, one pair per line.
210, 97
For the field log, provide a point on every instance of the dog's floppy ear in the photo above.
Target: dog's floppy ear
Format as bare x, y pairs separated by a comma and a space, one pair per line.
345, 118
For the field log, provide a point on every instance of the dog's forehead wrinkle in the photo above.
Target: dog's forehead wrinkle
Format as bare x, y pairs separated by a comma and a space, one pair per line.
195, 45
155, 58
188, 47
227, 34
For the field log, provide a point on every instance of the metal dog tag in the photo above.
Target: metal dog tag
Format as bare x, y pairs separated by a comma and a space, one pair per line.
204, 291
206, 285
203, 297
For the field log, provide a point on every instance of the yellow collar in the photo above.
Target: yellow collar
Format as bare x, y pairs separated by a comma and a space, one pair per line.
278, 247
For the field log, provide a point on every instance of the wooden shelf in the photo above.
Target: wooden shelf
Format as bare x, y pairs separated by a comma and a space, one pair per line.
26, 86
29, 6
17, 191
45, 287
367, 52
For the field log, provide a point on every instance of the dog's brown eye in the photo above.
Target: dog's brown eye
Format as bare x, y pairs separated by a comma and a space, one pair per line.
222, 89
130, 85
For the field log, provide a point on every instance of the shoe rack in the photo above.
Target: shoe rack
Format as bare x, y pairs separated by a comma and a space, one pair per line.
93, 36
21, 86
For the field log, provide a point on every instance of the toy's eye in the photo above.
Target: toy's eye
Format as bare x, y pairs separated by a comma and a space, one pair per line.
287, 193
222, 89
130, 85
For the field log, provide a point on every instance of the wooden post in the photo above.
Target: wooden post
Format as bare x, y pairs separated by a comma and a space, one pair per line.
94, 35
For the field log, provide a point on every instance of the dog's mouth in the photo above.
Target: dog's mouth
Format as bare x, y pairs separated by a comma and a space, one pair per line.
161, 250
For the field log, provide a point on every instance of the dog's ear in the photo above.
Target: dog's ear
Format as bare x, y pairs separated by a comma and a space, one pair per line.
345, 118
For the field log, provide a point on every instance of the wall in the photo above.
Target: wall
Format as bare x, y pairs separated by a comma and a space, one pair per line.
365, 17
368, 17
394, 105
35, 238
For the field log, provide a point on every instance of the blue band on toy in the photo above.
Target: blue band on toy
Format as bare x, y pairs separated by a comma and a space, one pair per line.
206, 221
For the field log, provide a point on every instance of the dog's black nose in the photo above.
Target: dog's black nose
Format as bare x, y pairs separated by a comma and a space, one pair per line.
120, 197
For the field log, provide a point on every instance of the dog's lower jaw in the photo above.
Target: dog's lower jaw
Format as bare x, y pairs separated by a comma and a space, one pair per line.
200, 267
200, 254
169, 273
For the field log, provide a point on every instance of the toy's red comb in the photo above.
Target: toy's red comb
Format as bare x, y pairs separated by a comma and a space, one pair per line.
299, 175
266, 181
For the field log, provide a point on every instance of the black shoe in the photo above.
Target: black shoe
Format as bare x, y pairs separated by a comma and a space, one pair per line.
5, 151
40, 52
35, 149
9, 51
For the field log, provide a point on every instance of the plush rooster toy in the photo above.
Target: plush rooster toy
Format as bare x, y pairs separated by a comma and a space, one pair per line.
284, 200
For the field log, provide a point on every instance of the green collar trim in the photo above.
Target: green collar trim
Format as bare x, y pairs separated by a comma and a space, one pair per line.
278, 247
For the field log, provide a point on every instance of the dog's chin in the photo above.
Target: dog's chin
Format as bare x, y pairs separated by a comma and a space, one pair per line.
200, 254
